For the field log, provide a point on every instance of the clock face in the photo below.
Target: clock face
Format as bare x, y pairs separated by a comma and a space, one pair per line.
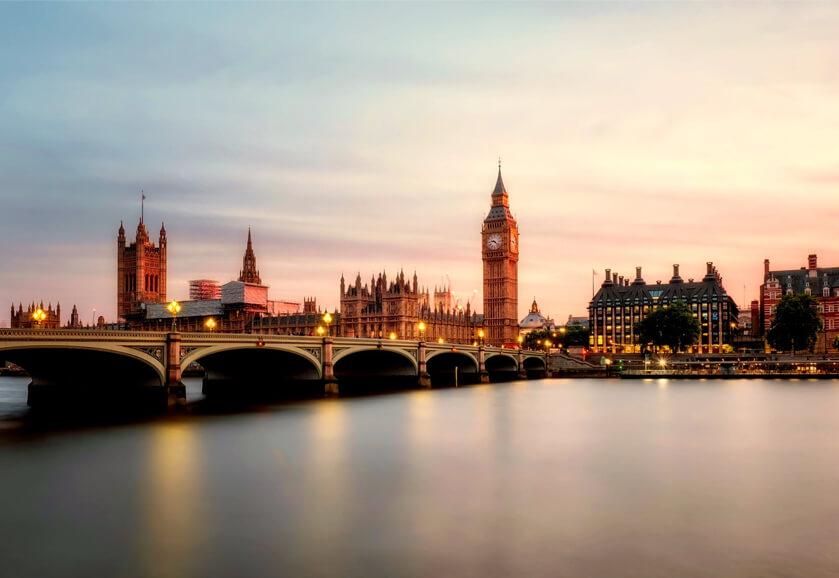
494, 242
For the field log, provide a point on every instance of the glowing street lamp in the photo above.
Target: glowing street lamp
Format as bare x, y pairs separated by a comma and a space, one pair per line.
392, 335
210, 324
174, 308
662, 363
327, 318
38, 316
439, 340
481, 335
421, 327
320, 330
520, 339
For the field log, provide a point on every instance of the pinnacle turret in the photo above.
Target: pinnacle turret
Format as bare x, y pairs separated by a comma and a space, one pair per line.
249, 272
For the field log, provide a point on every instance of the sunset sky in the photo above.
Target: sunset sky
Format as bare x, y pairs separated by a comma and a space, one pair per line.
362, 137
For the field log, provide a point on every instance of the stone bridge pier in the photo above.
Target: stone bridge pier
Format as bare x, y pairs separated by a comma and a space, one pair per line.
174, 387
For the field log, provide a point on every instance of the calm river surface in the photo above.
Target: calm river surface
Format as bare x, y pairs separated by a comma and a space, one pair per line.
574, 478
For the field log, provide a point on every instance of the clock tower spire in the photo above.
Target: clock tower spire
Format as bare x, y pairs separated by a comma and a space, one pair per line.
500, 252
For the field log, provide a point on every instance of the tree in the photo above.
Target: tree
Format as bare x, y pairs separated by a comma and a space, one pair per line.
573, 335
672, 325
796, 323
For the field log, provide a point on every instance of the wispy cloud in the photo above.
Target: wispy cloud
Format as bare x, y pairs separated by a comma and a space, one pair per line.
359, 137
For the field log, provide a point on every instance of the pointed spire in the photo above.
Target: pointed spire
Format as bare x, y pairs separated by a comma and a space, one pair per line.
499, 184
249, 273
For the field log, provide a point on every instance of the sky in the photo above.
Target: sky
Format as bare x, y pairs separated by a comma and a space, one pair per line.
359, 137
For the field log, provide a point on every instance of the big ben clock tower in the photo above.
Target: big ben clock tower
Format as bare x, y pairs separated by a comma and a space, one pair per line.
500, 250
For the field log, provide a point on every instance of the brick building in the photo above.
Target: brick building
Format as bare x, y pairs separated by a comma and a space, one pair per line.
820, 282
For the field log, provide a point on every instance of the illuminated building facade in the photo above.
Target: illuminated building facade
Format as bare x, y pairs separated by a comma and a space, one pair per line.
620, 305
382, 309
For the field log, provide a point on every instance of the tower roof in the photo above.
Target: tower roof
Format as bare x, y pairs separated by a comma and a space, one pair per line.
499, 184
500, 201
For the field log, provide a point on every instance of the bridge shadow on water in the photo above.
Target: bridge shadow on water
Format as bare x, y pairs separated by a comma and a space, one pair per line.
78, 409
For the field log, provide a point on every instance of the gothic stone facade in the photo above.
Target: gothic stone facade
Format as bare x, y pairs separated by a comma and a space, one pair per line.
383, 308
141, 272
22, 318
500, 252
619, 305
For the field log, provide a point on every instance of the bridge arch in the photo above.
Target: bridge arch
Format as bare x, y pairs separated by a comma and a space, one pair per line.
448, 367
365, 367
247, 370
501, 366
202, 352
363, 348
38, 359
89, 375
436, 352
535, 366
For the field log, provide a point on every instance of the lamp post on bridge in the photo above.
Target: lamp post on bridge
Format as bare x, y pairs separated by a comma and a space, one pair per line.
327, 319
174, 308
423, 378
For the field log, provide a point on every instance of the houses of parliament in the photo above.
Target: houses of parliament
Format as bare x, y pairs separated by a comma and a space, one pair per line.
396, 308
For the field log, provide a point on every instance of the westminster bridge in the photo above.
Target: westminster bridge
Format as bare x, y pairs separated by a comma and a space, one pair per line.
65, 360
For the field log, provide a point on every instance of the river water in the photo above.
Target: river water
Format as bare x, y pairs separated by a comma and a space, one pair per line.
574, 478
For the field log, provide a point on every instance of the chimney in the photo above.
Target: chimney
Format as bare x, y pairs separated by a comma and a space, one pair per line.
614, 277
621, 280
765, 269
811, 261
676, 278
709, 268
637, 272
608, 275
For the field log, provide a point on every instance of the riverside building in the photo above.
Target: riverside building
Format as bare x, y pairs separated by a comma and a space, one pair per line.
383, 309
620, 304
820, 282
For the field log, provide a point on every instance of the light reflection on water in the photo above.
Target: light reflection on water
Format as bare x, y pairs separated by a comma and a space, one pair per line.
171, 501
540, 478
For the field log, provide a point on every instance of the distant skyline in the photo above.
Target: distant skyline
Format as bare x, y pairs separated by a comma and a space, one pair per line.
362, 137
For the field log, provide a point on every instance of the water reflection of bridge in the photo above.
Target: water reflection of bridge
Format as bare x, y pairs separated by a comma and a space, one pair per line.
110, 362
